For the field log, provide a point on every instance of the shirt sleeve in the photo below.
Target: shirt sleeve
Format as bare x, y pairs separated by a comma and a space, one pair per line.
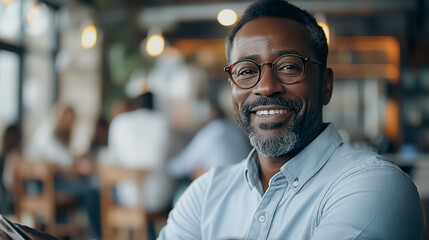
380, 202
185, 219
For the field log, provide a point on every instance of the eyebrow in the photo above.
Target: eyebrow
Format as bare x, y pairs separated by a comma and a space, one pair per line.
278, 53
286, 52
250, 57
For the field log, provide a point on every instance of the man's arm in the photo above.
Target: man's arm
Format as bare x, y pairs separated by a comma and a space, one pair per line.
185, 219
377, 202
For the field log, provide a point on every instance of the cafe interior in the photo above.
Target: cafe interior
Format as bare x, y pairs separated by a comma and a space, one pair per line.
79, 64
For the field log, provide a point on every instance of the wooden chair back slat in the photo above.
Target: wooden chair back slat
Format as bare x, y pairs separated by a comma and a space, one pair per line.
114, 216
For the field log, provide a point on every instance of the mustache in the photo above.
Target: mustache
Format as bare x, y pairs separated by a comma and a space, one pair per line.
292, 105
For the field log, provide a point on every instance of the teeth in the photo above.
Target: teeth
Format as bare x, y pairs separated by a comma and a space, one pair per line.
271, 112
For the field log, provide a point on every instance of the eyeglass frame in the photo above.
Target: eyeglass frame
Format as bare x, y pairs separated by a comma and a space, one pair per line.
303, 60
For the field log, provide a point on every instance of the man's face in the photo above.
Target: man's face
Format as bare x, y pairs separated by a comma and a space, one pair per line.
294, 111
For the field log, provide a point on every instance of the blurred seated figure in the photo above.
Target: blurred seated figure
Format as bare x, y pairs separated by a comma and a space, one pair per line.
74, 174
218, 143
139, 140
11, 152
52, 140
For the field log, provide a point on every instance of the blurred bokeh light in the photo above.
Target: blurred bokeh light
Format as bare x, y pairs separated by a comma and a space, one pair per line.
227, 17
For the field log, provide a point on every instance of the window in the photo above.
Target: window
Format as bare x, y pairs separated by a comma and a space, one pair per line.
9, 84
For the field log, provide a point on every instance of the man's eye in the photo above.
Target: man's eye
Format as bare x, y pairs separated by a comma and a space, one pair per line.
289, 68
246, 71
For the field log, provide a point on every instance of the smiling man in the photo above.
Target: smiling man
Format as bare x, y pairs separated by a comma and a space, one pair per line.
301, 181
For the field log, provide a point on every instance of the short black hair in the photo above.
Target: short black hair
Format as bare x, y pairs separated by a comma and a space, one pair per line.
283, 9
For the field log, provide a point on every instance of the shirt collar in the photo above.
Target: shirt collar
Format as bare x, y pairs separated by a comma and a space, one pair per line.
252, 168
305, 164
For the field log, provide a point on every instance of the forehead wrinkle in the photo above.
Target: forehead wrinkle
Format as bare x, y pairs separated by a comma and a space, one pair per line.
246, 45
249, 57
279, 53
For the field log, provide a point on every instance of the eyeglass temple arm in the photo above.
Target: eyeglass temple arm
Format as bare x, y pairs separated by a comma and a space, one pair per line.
313, 60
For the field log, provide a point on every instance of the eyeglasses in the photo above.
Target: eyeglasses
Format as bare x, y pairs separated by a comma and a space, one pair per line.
288, 69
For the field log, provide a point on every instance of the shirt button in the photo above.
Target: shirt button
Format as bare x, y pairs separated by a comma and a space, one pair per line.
295, 183
261, 218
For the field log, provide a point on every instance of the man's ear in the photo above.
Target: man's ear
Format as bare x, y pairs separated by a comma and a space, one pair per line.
328, 85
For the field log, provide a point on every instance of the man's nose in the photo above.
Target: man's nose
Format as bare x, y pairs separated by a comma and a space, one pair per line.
268, 84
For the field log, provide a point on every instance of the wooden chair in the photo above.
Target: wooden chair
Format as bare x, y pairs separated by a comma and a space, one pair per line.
45, 203
115, 217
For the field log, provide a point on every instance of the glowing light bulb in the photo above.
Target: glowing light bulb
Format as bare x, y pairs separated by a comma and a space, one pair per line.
227, 17
325, 28
155, 45
89, 37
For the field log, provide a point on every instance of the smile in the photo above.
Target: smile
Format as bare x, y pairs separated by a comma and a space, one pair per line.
271, 112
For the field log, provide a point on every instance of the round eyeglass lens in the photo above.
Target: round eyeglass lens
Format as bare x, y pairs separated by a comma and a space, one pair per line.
288, 69
245, 73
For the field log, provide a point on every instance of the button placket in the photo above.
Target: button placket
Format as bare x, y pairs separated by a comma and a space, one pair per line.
263, 216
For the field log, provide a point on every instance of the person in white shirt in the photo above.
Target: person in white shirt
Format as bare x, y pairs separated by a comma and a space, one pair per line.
52, 139
139, 139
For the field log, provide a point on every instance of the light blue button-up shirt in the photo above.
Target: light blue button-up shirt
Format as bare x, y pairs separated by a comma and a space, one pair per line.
329, 190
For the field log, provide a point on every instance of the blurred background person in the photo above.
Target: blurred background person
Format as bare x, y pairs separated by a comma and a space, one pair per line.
218, 143
52, 139
51, 143
139, 140
11, 152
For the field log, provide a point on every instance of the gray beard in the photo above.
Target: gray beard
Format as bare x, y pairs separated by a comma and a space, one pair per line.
284, 143
275, 146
